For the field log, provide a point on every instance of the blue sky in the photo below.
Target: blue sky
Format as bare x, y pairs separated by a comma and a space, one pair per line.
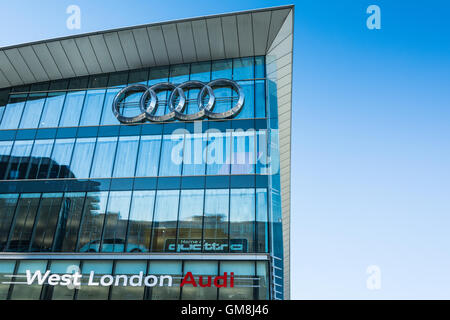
370, 141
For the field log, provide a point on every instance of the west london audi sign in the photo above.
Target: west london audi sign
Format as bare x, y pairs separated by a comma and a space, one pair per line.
75, 280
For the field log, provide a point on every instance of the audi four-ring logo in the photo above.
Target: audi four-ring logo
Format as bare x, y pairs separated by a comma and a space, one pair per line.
148, 102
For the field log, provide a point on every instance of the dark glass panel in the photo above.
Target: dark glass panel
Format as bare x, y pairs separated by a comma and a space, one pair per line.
69, 224
5, 150
7, 207
46, 222
22, 229
92, 222
40, 160
19, 160
60, 159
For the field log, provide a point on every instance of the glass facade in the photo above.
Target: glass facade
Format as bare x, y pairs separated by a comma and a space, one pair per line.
75, 180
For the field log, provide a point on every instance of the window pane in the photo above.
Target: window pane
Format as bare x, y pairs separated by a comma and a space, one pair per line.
92, 108
171, 155
72, 109
248, 110
69, 224
203, 272
165, 218
104, 157
107, 114
244, 279
23, 222
243, 68
7, 208
94, 292
63, 267
261, 221
20, 157
260, 71
190, 222
218, 155
260, 99
242, 219
243, 152
46, 221
125, 162
40, 159
216, 217
82, 157
179, 73
28, 292
140, 224
13, 111
60, 160
201, 71
221, 69
262, 273
148, 159
52, 110
194, 154
92, 222
5, 150
116, 222
129, 292
6, 268
32, 111
165, 268
261, 152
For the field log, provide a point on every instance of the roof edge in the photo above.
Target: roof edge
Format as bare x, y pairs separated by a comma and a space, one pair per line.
289, 6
